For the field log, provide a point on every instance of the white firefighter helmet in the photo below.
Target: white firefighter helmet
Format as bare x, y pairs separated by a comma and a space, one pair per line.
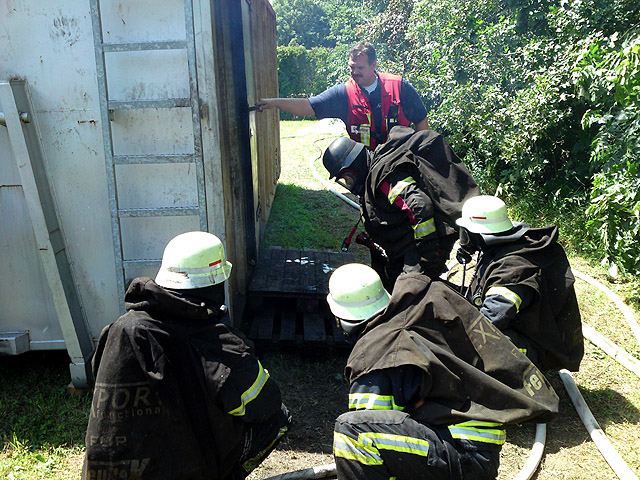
193, 260
485, 214
355, 295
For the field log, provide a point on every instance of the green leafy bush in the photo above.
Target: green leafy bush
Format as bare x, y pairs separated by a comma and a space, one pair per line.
608, 77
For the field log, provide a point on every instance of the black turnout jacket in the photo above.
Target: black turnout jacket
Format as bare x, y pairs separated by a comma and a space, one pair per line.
438, 172
550, 320
174, 388
470, 370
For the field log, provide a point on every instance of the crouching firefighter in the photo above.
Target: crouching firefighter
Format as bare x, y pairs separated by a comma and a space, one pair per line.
432, 382
179, 393
522, 283
411, 191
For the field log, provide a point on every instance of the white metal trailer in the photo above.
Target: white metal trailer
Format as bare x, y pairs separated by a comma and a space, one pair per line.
122, 124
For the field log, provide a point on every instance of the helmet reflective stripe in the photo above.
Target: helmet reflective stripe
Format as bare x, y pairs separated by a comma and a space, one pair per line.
485, 214
197, 270
356, 292
371, 401
506, 293
193, 260
364, 303
398, 188
397, 443
425, 228
252, 392
351, 449
478, 432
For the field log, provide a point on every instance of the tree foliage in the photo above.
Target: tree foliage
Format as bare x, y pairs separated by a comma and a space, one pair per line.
540, 97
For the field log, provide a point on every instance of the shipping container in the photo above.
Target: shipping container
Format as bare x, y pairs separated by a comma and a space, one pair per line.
124, 123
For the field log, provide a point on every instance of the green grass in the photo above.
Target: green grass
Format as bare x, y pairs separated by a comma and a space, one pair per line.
42, 425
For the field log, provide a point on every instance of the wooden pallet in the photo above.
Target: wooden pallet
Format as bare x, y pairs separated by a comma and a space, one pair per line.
286, 306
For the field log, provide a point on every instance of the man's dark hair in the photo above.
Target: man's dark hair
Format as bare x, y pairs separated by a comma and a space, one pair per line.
363, 48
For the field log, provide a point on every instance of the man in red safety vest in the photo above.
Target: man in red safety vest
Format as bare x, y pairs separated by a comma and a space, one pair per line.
369, 103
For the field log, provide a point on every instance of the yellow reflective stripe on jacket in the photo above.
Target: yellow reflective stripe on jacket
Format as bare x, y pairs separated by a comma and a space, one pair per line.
506, 293
397, 443
398, 188
477, 431
425, 228
252, 392
371, 401
350, 449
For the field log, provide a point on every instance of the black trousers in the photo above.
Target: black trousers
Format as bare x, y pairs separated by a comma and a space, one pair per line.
382, 444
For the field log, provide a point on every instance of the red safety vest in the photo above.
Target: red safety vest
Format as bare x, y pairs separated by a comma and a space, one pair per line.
360, 125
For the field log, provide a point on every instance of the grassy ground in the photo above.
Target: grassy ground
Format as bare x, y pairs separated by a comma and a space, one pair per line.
42, 426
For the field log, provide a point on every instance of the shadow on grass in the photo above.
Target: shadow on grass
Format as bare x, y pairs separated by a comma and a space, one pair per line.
35, 404
607, 406
315, 392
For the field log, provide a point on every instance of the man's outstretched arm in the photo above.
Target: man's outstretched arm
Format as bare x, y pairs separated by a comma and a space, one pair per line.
294, 106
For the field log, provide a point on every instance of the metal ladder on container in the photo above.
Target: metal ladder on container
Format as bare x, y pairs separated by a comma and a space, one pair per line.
107, 108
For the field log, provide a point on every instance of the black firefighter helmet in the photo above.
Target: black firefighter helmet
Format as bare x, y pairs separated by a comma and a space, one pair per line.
346, 160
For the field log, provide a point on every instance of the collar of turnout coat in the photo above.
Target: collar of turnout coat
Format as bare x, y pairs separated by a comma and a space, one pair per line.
146, 295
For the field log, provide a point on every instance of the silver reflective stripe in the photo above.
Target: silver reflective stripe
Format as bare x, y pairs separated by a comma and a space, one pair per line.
398, 188
506, 293
364, 303
351, 449
479, 432
397, 443
251, 393
425, 228
371, 401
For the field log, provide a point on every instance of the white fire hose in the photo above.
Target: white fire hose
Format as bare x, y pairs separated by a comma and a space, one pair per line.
607, 450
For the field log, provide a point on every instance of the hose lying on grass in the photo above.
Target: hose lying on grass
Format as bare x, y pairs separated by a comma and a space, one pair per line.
626, 311
607, 346
607, 450
323, 471
531, 465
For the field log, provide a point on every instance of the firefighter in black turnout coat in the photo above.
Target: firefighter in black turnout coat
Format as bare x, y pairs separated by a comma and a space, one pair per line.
179, 394
411, 191
523, 283
432, 382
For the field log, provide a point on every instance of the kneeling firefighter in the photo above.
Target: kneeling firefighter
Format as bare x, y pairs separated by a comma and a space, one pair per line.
432, 382
522, 283
179, 393
411, 191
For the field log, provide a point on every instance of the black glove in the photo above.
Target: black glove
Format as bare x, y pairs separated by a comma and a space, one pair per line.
412, 262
